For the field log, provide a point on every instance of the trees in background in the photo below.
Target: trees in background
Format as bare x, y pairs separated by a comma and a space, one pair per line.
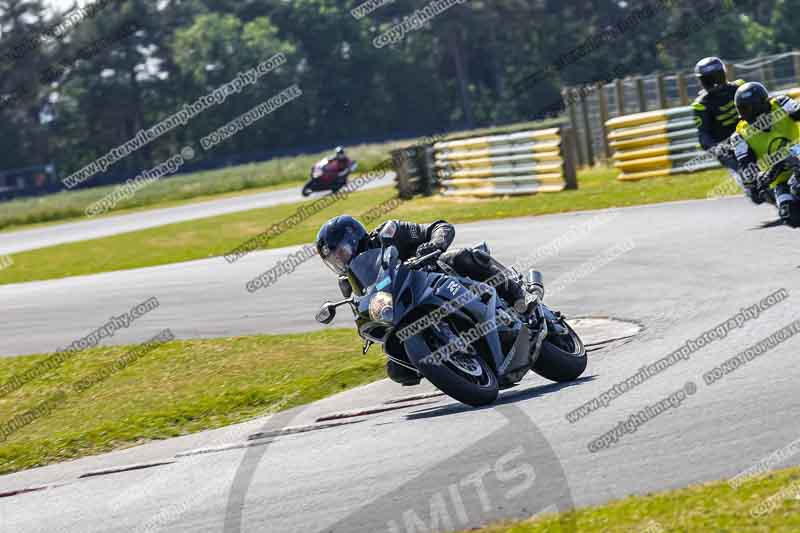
72, 98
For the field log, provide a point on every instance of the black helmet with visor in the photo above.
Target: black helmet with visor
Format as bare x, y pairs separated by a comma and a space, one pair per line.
340, 240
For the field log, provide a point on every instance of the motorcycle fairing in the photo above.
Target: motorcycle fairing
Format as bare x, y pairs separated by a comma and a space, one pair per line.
430, 291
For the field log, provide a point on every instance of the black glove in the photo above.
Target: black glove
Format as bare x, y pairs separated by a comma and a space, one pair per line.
428, 247
441, 237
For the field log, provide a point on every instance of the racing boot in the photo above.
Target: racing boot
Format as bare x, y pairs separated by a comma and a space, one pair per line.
509, 289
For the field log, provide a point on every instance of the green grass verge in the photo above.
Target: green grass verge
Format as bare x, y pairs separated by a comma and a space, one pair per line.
148, 207
179, 388
768, 504
219, 235
279, 172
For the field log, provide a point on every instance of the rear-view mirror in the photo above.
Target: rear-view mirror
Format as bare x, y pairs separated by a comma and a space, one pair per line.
326, 313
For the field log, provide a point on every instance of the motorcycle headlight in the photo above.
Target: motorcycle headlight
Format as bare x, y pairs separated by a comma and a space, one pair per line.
381, 307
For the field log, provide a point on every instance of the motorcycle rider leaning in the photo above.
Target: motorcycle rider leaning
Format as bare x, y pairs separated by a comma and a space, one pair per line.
341, 162
763, 137
715, 111
343, 238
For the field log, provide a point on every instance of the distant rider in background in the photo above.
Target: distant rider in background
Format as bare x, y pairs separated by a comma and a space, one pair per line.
340, 163
715, 112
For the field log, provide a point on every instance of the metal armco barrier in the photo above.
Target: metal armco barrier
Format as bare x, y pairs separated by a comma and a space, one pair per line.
660, 143
656, 143
526, 162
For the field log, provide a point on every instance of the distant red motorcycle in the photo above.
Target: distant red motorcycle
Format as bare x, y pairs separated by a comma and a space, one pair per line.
327, 175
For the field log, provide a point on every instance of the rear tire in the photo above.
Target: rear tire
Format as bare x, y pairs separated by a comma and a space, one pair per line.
794, 215
562, 360
476, 389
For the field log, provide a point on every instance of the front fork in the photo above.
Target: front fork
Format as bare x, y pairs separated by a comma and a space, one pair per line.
544, 331
554, 321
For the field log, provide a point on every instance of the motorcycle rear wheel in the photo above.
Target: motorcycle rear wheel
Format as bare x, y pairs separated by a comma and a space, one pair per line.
563, 357
463, 376
793, 220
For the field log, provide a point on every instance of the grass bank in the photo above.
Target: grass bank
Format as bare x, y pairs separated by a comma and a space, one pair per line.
770, 503
180, 387
276, 173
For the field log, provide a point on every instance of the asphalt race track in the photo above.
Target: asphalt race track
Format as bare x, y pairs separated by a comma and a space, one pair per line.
676, 269
51, 235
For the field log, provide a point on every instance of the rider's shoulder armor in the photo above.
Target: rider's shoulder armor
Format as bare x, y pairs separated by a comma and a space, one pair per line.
699, 103
788, 104
739, 142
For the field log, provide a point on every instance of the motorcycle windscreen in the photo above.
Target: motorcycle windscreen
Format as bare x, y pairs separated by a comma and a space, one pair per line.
365, 268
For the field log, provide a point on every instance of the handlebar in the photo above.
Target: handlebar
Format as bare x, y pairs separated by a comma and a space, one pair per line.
422, 261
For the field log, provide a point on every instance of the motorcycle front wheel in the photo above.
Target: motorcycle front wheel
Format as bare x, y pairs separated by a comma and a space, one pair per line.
307, 190
563, 357
464, 376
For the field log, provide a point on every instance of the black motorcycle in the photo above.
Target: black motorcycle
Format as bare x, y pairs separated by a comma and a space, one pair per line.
477, 347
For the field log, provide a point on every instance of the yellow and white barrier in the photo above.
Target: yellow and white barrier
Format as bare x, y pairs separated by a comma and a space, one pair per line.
660, 143
656, 143
518, 163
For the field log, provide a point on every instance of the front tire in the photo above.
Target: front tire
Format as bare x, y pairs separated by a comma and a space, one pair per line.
563, 357
465, 377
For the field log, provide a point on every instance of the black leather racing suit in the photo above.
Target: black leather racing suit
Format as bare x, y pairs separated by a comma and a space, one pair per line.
414, 240
716, 117
419, 239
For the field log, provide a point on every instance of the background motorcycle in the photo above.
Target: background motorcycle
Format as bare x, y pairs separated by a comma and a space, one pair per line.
324, 177
389, 295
